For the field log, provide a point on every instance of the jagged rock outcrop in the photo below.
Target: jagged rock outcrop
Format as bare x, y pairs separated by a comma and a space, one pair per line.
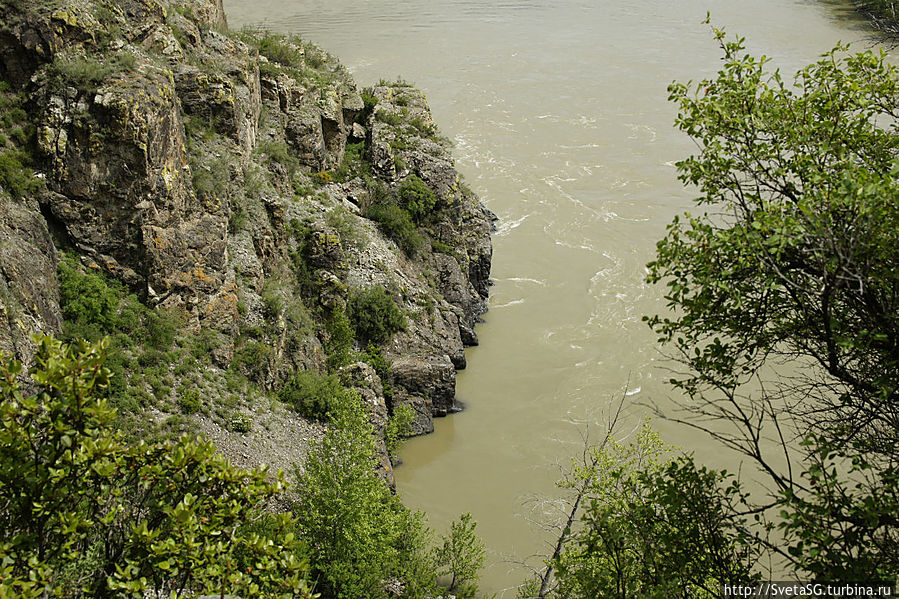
243, 186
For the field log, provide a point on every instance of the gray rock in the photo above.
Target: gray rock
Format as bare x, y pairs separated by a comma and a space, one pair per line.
432, 378
29, 293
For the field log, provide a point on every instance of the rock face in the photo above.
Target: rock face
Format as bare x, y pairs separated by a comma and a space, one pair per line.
244, 184
29, 295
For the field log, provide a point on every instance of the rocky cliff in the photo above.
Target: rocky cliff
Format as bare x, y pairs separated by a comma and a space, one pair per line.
223, 204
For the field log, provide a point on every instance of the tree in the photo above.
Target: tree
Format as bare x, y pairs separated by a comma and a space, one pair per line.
84, 513
784, 298
666, 530
361, 535
653, 525
461, 556
785, 291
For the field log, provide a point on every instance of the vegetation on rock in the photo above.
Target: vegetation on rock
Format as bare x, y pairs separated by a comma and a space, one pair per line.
16, 137
416, 198
374, 315
312, 394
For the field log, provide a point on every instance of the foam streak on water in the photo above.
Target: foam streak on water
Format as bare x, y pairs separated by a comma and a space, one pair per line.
558, 110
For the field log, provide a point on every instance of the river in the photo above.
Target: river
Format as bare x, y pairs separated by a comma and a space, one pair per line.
559, 115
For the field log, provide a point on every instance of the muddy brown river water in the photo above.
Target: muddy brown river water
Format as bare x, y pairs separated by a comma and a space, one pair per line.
559, 115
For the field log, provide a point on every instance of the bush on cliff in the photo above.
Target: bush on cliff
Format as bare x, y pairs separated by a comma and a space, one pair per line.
16, 176
417, 198
276, 48
397, 224
95, 306
82, 513
87, 299
339, 344
312, 394
375, 315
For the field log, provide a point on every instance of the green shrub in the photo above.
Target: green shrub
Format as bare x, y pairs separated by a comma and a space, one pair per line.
240, 422
150, 357
323, 177
272, 299
344, 223
398, 83
461, 556
369, 101
299, 317
278, 48
205, 342
305, 272
397, 224
252, 359
374, 315
389, 118
13, 116
443, 248
199, 127
280, 152
353, 163
339, 345
19, 136
86, 298
424, 128
312, 394
255, 182
417, 198
94, 306
189, 401
237, 218
15, 175
398, 426
86, 73
210, 179
159, 388
314, 56
374, 358
159, 329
